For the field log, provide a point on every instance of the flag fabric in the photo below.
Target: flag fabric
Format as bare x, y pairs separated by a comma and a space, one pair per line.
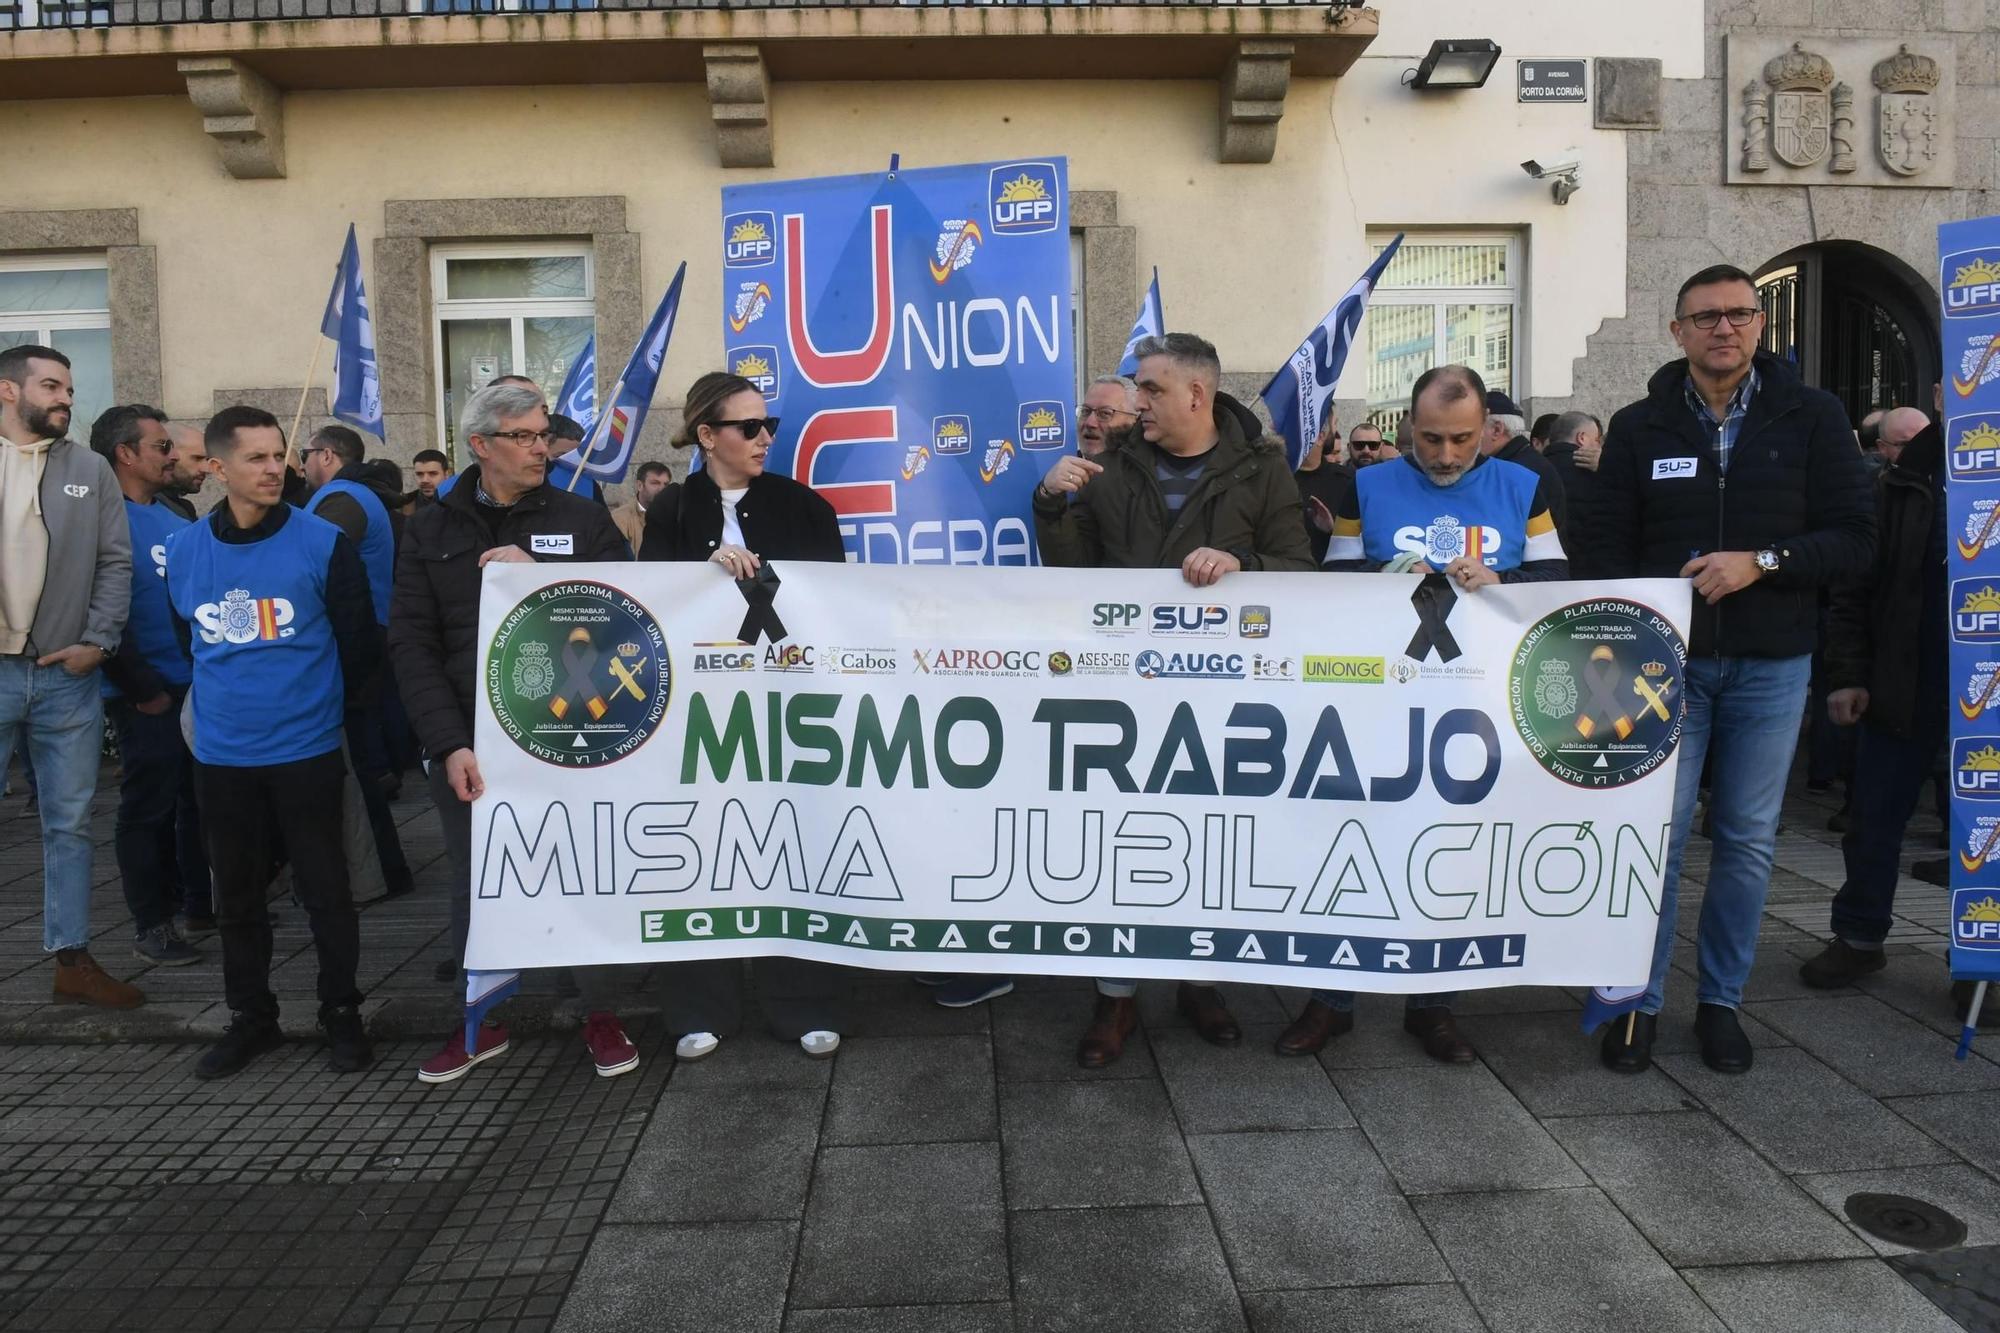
1152, 322
357, 396
1606, 1003
576, 400
607, 451
483, 993
1299, 393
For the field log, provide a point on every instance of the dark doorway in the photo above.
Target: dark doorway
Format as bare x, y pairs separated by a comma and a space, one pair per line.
1856, 321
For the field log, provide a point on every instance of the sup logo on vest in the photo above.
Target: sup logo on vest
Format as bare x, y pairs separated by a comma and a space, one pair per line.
1674, 469
578, 675
241, 618
1596, 694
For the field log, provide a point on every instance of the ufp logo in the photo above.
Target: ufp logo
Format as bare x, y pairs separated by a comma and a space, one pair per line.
1975, 611
1186, 618
749, 240
1975, 446
1255, 622
1023, 198
1042, 425
1975, 920
1975, 767
1973, 283
759, 365
951, 435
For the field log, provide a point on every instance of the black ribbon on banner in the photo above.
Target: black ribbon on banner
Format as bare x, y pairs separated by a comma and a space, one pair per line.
1434, 599
579, 656
760, 590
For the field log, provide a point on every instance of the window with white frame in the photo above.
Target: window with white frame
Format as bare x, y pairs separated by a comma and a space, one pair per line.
1444, 298
516, 309
64, 302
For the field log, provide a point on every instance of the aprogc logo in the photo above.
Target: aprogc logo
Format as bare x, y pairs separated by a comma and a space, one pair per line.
749, 240
241, 618
1022, 196
1973, 287
1042, 425
759, 365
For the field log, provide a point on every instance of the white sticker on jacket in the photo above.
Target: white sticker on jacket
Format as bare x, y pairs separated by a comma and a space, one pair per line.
1674, 468
75, 491
552, 543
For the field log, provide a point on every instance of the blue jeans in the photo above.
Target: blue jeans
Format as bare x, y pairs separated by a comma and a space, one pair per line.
1889, 776
60, 719
1741, 713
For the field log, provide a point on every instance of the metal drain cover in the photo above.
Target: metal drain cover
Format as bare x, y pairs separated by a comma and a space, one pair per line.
1901, 1220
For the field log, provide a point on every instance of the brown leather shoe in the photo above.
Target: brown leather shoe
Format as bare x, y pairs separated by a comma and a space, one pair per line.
1203, 1007
1314, 1028
79, 980
1438, 1031
1115, 1019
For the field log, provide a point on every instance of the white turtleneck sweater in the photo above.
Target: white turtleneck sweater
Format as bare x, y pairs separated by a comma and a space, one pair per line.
24, 540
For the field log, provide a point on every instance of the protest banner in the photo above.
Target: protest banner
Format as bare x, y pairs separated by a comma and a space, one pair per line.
911, 330
1969, 280
1366, 781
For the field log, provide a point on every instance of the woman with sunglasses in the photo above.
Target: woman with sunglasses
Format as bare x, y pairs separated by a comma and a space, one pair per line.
732, 513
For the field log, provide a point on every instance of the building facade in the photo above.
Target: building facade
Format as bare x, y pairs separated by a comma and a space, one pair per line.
523, 177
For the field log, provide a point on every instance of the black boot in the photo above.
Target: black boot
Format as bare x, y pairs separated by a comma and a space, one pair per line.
1839, 964
347, 1048
1724, 1048
242, 1041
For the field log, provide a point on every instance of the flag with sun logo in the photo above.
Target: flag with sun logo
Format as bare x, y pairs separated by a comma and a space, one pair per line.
1969, 280
911, 331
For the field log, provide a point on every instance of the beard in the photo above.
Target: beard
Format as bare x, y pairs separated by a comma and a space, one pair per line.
46, 423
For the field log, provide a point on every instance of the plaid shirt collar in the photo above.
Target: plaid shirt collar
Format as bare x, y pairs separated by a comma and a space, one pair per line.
1726, 430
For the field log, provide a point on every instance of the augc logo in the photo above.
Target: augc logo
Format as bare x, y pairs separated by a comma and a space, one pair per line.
1023, 198
1042, 425
1973, 283
951, 435
759, 365
749, 240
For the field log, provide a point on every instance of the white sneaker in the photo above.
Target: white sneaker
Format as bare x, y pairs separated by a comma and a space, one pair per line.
696, 1046
820, 1044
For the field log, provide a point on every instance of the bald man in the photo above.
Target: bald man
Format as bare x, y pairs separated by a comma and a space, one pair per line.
1899, 426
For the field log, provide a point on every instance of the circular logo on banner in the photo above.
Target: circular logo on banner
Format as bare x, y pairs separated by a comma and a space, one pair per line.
1595, 690
578, 674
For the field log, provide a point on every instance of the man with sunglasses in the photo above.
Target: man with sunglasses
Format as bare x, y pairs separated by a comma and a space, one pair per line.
1734, 474
1366, 447
502, 508
1110, 405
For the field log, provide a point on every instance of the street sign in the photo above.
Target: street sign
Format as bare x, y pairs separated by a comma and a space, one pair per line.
1548, 81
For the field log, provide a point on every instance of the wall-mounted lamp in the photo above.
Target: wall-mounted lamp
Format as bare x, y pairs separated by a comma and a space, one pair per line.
1461, 62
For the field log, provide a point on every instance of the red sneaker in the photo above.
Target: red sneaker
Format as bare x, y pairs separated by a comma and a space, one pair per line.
452, 1062
609, 1049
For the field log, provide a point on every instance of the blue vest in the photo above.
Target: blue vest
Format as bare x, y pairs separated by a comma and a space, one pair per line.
150, 626
378, 544
1485, 514
267, 683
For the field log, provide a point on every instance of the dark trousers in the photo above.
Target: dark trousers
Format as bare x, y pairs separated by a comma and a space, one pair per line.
161, 859
255, 816
797, 995
1889, 776
366, 742
593, 984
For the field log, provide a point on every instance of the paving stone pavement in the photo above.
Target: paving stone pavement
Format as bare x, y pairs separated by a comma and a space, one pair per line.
953, 1171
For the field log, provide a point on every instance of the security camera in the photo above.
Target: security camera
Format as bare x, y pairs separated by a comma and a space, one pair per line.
1565, 177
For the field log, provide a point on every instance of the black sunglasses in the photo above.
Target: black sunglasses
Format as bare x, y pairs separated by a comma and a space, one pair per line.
751, 426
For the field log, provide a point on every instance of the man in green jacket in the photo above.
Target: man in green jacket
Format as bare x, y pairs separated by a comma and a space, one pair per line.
1195, 491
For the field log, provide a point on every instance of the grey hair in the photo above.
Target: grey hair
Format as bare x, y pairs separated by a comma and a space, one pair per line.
1569, 423
1122, 381
1186, 350
1515, 425
485, 410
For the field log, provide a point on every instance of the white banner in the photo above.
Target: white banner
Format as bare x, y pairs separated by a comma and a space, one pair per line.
1361, 781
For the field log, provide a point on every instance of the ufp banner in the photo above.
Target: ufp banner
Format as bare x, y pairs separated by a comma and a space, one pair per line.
1348, 780
1969, 278
912, 331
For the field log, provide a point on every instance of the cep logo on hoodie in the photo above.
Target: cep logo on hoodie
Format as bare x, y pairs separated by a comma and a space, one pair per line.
241, 618
76, 490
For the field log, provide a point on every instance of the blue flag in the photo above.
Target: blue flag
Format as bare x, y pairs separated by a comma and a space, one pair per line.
578, 399
1152, 322
1299, 393
357, 396
1608, 1002
607, 451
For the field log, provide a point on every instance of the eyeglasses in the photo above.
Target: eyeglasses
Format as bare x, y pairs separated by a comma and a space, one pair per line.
1105, 414
523, 437
1364, 444
751, 427
1737, 316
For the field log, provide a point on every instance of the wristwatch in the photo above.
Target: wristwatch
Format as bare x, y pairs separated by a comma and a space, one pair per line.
1767, 561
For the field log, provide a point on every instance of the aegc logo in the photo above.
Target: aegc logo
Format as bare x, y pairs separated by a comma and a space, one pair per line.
749, 240
1973, 286
1186, 618
1023, 198
241, 618
1042, 425
951, 435
759, 365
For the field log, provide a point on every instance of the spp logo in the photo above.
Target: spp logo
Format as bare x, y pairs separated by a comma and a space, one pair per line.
1975, 446
241, 618
1255, 622
1042, 425
1023, 198
951, 435
1975, 611
1155, 665
759, 365
1975, 767
1972, 285
1117, 617
1187, 618
749, 240
1975, 920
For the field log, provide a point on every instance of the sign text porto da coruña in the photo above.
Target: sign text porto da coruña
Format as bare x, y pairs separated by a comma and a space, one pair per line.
912, 333
1353, 780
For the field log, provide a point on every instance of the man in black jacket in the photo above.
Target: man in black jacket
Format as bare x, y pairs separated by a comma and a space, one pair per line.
1506, 438
1733, 473
1887, 668
494, 512
1576, 442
